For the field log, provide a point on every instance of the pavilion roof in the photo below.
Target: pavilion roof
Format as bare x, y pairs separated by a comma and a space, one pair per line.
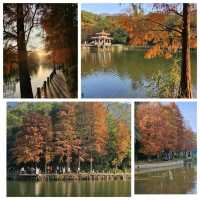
103, 33
101, 37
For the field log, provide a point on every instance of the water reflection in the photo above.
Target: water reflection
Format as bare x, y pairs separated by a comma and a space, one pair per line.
180, 180
122, 74
11, 88
69, 188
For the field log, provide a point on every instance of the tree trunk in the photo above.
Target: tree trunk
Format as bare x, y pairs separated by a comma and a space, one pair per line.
79, 164
68, 164
24, 76
91, 163
45, 167
185, 90
71, 44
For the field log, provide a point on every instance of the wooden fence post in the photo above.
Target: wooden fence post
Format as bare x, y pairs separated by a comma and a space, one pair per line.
48, 82
38, 93
45, 89
45, 85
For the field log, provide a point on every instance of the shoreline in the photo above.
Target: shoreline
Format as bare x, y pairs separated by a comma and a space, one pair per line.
70, 176
159, 166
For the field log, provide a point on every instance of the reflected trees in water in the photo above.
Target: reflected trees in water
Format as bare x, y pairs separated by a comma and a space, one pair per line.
181, 180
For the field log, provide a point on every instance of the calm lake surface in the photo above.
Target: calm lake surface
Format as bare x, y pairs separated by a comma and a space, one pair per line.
69, 188
124, 74
181, 180
39, 74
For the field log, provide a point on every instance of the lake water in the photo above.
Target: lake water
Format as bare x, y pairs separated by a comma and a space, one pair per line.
181, 180
124, 74
11, 81
69, 188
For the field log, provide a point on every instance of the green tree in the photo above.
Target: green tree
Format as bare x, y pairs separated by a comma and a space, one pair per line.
119, 36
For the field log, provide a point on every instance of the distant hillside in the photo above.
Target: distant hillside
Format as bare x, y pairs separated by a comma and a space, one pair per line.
89, 17
92, 23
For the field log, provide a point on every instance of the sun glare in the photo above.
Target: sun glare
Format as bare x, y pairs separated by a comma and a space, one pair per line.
41, 53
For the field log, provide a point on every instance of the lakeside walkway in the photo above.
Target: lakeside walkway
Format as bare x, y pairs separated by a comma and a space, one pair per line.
158, 166
54, 87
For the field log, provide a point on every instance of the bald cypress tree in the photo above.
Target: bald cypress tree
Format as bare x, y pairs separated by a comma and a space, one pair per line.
64, 130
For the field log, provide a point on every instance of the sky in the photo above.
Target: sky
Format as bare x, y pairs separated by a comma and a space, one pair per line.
110, 8
189, 112
35, 40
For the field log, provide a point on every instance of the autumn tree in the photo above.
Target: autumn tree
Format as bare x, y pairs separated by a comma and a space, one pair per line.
19, 20
47, 147
179, 126
82, 133
119, 124
60, 25
92, 130
122, 143
149, 124
189, 142
79, 136
100, 126
186, 80
65, 133
164, 31
95, 138
89, 127
25, 84
29, 145
162, 130
111, 143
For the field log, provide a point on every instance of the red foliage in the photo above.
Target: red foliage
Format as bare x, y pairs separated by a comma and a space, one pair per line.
162, 128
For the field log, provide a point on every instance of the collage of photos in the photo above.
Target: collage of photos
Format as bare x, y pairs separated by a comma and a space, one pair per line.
101, 99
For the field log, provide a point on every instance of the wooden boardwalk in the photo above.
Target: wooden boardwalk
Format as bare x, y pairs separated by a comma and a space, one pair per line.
54, 87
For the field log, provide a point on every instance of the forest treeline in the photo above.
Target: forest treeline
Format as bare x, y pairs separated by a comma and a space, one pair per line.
161, 132
71, 136
29, 27
138, 28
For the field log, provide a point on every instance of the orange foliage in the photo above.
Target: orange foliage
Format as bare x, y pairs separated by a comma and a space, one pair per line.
65, 131
61, 55
158, 31
162, 128
31, 137
122, 142
100, 127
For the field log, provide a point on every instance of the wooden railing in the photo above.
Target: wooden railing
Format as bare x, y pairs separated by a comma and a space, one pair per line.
46, 83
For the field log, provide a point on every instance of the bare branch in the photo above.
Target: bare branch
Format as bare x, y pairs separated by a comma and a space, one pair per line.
175, 12
32, 25
167, 28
